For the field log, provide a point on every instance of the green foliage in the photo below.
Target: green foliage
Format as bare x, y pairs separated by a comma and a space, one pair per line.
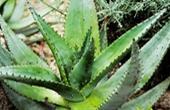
139, 101
127, 87
77, 9
83, 68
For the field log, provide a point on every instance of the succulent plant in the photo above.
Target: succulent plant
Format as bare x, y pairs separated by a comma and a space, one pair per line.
82, 81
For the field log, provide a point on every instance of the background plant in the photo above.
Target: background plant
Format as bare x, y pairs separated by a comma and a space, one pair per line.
118, 16
78, 53
19, 19
116, 10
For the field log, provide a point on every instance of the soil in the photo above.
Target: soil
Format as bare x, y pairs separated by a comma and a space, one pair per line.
5, 104
163, 103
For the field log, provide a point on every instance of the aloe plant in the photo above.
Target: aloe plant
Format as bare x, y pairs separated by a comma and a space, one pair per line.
82, 81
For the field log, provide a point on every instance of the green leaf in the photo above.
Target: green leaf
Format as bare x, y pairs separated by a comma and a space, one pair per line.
15, 44
148, 98
31, 92
26, 90
150, 55
62, 53
42, 77
80, 75
8, 9
95, 99
21, 53
103, 37
117, 49
36, 93
127, 87
23, 103
112, 54
81, 16
86, 43
161, 44
5, 57
18, 86
18, 11
29, 71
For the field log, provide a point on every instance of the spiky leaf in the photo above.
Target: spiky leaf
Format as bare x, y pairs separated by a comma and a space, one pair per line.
148, 98
21, 54
85, 43
118, 48
62, 53
127, 88
76, 29
80, 75
103, 37
5, 57
37, 93
148, 55
23, 103
161, 44
29, 71
35, 75
112, 54
19, 50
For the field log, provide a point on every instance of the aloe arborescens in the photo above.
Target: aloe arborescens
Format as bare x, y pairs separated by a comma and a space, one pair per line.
82, 82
